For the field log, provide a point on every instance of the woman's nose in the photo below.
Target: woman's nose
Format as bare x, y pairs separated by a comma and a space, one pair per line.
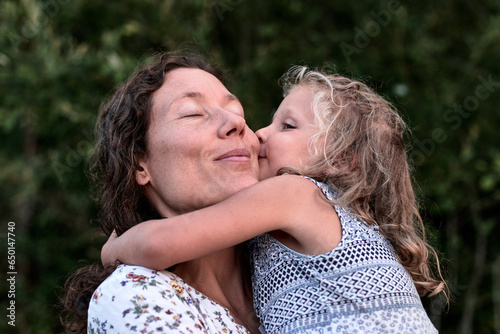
233, 124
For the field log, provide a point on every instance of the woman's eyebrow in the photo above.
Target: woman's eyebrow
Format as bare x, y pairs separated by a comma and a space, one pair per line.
198, 95
193, 95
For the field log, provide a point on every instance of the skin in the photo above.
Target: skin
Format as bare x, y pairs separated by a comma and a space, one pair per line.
285, 206
284, 143
289, 207
200, 151
199, 135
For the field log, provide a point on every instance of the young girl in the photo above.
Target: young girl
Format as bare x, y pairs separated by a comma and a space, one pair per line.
338, 243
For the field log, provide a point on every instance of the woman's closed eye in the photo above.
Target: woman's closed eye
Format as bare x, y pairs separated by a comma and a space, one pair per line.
193, 113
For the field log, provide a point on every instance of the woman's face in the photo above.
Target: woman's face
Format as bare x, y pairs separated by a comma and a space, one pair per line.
284, 143
200, 150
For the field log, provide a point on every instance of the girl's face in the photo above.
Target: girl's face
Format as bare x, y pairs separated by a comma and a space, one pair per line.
284, 143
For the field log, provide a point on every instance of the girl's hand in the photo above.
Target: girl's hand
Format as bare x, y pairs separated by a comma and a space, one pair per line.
134, 246
108, 257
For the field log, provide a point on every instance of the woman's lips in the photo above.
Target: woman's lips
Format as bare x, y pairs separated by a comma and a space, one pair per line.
236, 155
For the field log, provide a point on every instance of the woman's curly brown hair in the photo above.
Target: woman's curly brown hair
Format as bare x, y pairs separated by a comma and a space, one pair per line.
121, 131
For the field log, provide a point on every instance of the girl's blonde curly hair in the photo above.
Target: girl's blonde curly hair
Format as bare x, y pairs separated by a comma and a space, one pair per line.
361, 155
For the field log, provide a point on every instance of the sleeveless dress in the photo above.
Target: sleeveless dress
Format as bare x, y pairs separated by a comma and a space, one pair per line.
358, 287
135, 299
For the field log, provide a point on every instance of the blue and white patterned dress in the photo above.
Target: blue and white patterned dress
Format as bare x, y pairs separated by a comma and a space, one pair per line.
358, 287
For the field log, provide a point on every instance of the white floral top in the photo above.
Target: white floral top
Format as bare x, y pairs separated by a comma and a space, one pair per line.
140, 300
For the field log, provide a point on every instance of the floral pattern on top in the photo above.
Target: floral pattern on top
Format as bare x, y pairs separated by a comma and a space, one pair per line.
139, 300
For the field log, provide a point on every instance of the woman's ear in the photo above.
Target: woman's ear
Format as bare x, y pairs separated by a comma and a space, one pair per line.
141, 173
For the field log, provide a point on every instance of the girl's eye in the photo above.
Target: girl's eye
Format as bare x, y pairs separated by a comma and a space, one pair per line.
287, 126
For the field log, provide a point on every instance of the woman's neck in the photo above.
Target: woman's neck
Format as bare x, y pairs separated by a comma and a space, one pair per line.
224, 277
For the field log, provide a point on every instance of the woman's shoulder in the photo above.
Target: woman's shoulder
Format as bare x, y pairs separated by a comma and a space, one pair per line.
135, 298
127, 280
131, 274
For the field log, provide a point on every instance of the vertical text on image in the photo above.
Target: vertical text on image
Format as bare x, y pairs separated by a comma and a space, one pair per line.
11, 273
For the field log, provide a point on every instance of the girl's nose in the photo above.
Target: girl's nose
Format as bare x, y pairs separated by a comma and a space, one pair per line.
262, 135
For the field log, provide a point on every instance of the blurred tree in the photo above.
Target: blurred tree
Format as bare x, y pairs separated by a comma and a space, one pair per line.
437, 61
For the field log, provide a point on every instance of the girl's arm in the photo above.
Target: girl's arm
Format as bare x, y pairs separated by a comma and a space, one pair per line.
288, 203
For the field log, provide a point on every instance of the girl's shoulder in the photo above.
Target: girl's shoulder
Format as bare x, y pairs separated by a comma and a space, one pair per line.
325, 188
284, 191
291, 180
296, 192
353, 227
313, 226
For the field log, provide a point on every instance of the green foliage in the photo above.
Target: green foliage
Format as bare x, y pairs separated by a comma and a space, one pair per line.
437, 61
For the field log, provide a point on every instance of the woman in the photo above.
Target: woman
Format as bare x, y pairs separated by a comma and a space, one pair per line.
158, 156
357, 262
